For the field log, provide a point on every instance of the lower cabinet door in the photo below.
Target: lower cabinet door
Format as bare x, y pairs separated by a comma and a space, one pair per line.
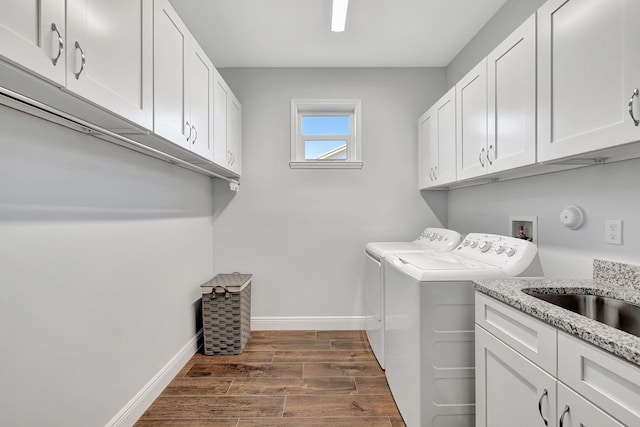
575, 411
510, 390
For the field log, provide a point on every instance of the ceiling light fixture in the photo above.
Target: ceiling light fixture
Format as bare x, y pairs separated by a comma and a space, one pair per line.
339, 15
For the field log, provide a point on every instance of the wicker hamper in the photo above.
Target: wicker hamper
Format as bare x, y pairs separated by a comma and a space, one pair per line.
226, 313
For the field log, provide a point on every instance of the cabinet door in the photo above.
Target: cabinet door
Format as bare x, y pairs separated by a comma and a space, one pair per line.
427, 148
445, 111
605, 379
32, 36
221, 94
510, 390
171, 38
471, 106
200, 102
588, 68
234, 136
110, 56
575, 411
511, 88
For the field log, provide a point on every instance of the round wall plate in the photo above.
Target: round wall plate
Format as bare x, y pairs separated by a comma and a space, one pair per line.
572, 217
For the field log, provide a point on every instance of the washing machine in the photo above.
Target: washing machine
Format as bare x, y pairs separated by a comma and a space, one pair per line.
431, 239
429, 319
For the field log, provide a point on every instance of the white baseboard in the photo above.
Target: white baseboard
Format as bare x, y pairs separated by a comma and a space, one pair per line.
134, 409
318, 323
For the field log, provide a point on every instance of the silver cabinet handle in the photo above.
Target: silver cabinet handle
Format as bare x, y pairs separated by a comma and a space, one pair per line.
195, 137
480, 156
489, 151
435, 173
430, 174
60, 44
633, 95
83, 60
545, 393
565, 412
188, 126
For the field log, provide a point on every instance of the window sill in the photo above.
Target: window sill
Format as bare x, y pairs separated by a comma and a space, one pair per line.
325, 164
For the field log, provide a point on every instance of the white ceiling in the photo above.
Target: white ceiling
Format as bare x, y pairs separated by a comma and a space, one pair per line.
295, 33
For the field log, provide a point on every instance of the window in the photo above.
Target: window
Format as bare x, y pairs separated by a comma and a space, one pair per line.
326, 134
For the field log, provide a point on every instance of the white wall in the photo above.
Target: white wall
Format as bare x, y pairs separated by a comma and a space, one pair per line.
302, 232
102, 251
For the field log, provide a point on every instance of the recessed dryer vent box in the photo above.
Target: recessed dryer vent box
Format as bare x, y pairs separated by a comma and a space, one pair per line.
529, 226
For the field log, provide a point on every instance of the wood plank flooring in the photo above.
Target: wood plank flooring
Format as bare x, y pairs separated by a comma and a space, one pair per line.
284, 379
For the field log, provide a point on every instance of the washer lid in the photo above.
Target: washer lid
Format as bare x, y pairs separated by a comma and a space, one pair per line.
442, 261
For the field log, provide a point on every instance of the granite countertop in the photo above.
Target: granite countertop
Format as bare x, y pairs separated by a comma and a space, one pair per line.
611, 279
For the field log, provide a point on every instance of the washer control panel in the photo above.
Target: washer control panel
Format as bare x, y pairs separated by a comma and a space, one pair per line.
501, 251
439, 238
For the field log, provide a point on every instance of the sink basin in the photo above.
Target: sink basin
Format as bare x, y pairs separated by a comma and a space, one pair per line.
619, 314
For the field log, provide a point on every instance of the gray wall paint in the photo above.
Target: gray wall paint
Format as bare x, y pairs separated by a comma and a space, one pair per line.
302, 232
604, 191
102, 251
507, 19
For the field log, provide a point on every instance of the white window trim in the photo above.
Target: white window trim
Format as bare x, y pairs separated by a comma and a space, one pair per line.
326, 106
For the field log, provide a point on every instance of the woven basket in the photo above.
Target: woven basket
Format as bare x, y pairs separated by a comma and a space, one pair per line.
226, 313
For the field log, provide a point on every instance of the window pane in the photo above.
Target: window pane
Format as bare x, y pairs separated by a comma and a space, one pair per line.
325, 125
325, 150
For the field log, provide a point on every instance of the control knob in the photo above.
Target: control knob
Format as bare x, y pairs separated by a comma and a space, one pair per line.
432, 236
465, 243
510, 251
484, 246
500, 249
440, 236
473, 243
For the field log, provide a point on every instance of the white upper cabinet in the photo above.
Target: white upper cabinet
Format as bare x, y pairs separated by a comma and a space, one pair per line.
183, 84
437, 143
227, 127
200, 72
471, 120
109, 56
511, 89
32, 36
588, 69
170, 82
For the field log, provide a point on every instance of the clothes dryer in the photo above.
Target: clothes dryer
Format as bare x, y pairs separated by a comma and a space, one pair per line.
429, 319
431, 239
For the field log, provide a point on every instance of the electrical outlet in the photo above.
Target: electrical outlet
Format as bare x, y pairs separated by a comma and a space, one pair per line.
613, 231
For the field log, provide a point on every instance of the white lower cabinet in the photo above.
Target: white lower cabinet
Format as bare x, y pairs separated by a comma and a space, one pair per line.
510, 390
576, 411
592, 388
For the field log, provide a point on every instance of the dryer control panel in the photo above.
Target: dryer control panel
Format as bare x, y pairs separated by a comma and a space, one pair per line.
439, 238
510, 254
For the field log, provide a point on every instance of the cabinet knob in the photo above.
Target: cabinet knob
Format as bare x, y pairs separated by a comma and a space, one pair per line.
60, 44
565, 412
491, 150
633, 95
545, 393
83, 60
188, 126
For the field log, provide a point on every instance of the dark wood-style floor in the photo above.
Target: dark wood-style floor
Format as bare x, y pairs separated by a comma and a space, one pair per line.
283, 378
